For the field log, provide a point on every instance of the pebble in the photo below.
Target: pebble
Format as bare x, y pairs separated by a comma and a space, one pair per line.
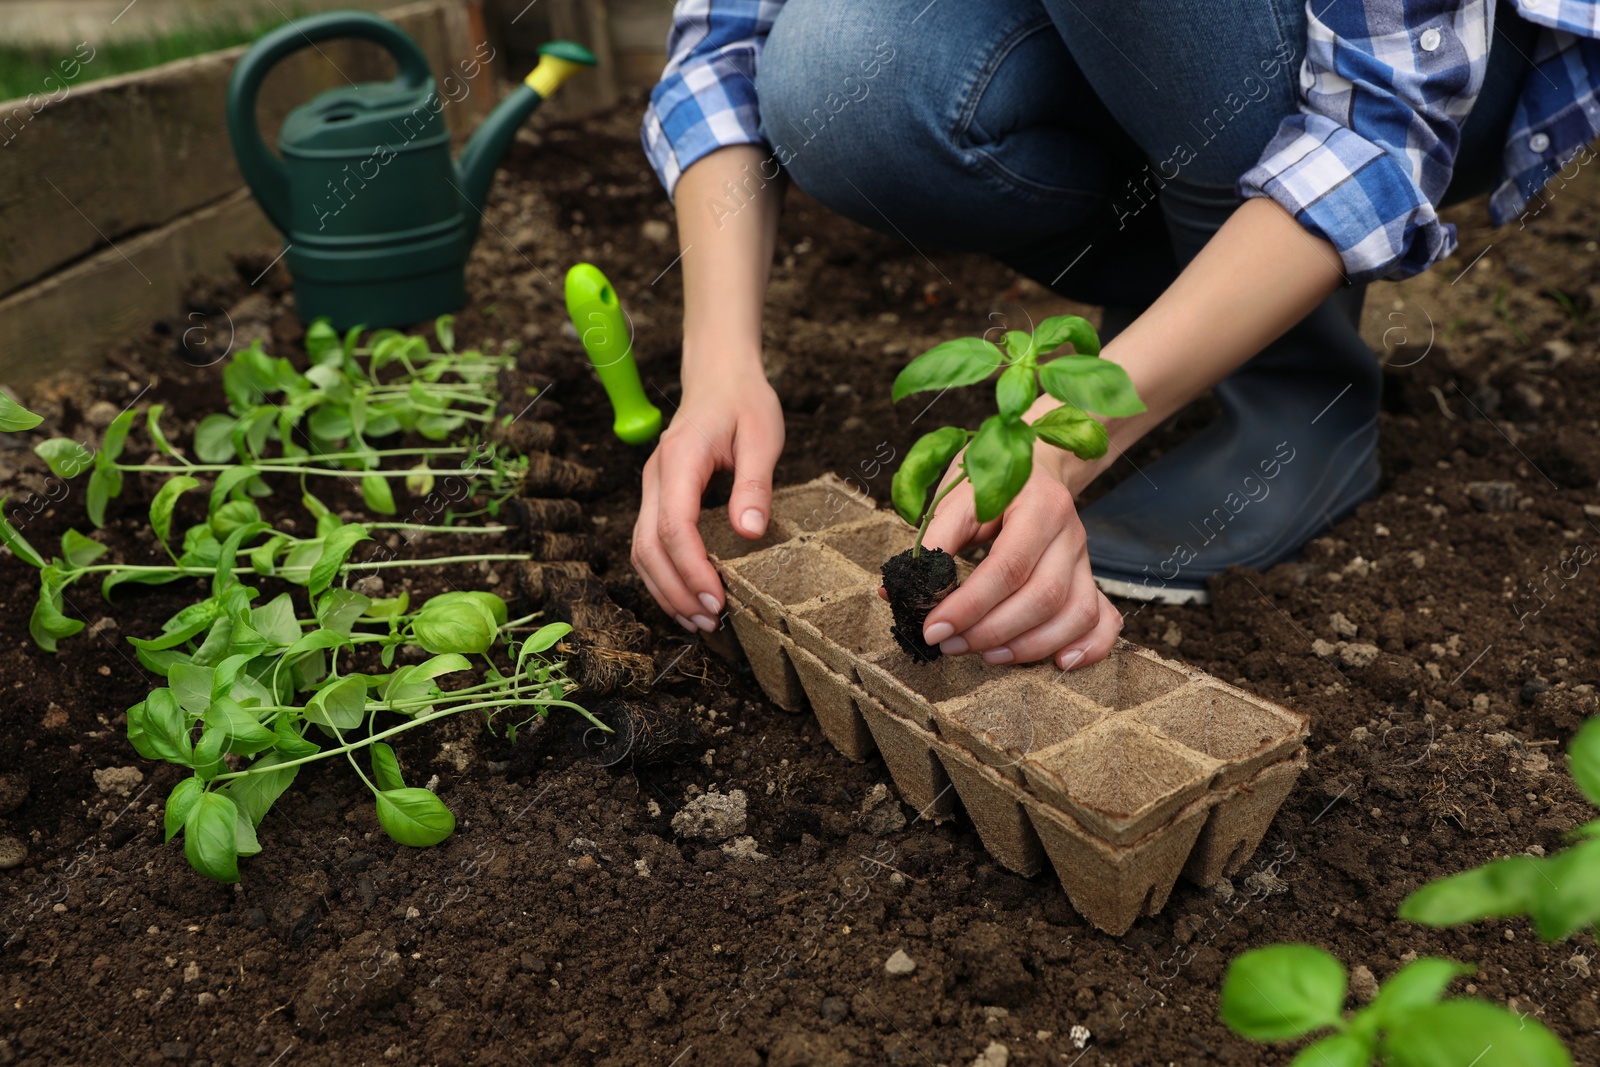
655, 230
1492, 496
835, 1009
101, 414
1357, 654
205, 1001
118, 780
1341, 626
744, 848
13, 791
1363, 984
996, 1055
713, 816
899, 963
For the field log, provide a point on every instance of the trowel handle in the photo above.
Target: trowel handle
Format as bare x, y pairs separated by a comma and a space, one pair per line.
597, 316
262, 169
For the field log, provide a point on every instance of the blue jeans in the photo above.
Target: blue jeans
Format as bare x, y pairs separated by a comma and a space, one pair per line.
1040, 130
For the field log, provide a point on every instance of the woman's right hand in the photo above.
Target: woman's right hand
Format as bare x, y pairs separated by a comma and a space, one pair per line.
728, 421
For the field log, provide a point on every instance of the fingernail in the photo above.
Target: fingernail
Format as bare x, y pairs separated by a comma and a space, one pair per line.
936, 633
753, 521
998, 655
953, 646
705, 622
686, 624
1072, 659
709, 602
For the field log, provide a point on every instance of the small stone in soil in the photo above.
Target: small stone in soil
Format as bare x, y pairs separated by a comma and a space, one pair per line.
713, 817
118, 780
996, 1055
1363, 984
12, 852
835, 1009
899, 963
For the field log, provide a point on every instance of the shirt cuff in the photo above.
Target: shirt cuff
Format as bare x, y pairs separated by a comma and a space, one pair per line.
707, 104
1352, 194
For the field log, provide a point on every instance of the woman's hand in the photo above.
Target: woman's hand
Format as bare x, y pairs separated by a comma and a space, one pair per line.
729, 421
1033, 596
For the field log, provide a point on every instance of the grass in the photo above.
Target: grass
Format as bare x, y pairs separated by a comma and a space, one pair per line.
24, 68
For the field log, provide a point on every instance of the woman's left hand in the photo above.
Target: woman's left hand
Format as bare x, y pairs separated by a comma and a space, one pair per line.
1033, 596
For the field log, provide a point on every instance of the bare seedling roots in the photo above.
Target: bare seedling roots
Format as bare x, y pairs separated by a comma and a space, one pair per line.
534, 578
644, 734
611, 646
549, 474
547, 513
563, 546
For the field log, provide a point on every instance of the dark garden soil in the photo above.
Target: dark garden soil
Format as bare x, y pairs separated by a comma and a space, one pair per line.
1443, 640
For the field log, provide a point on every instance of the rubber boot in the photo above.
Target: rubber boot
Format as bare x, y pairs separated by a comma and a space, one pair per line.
1294, 451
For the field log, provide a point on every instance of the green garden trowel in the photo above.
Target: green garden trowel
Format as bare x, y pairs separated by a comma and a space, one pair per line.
597, 316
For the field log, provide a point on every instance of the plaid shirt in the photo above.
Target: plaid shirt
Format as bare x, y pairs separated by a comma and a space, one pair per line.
1384, 89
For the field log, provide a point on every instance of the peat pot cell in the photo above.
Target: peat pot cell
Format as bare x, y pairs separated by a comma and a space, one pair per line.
1119, 778
818, 505
1009, 718
1245, 734
721, 542
1126, 678
774, 579
840, 630
910, 688
870, 542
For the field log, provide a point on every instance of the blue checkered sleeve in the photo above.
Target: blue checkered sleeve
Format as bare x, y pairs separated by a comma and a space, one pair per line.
1385, 87
706, 98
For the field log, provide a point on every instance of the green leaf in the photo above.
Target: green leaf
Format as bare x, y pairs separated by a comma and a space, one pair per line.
208, 752
180, 802
12, 538
172, 638
210, 837
1018, 343
1570, 899
192, 685
1091, 383
1070, 428
316, 641
386, 767
998, 463
1504, 887
116, 437
322, 342
542, 638
152, 424
275, 620
964, 361
257, 791
245, 841
459, 627
213, 439
65, 457
1584, 754
243, 734
166, 499
1416, 985
78, 550
157, 728
921, 470
14, 417
1016, 390
47, 624
1282, 992
227, 485
1340, 1050
1465, 1031
339, 705
495, 606
336, 548
105, 485
414, 817
1060, 330
233, 515
338, 609
444, 329
375, 491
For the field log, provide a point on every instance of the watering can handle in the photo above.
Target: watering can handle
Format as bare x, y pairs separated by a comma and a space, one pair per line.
263, 170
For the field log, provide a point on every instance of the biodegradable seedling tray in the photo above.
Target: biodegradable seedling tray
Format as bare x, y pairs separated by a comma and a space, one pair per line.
1123, 775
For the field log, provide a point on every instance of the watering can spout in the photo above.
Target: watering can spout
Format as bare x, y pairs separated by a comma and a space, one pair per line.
558, 61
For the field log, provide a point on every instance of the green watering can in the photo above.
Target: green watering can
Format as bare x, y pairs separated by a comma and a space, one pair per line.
377, 218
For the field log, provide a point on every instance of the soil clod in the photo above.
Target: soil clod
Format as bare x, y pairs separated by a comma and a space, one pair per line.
916, 584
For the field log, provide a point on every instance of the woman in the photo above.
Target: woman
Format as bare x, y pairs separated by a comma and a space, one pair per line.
1223, 178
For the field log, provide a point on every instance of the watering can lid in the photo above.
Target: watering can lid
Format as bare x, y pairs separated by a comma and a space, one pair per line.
360, 117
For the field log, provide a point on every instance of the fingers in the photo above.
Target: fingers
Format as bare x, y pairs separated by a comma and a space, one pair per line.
756, 446
1099, 642
667, 550
1058, 603
1034, 522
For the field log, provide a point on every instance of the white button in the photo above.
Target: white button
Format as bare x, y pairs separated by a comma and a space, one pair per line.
1430, 40
1538, 142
